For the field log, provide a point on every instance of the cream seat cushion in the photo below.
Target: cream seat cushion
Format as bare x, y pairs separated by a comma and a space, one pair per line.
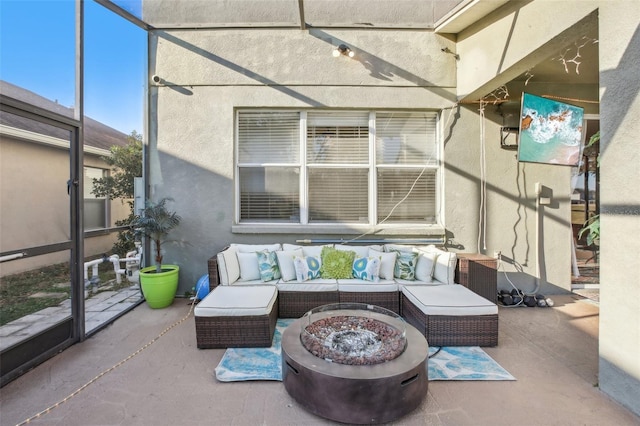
253, 282
448, 300
236, 301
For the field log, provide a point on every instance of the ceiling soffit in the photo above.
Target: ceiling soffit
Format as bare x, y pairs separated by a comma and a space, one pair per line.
375, 14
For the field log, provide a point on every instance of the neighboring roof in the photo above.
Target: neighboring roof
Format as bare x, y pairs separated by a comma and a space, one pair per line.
96, 134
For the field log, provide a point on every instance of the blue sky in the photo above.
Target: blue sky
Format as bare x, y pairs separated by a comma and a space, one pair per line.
37, 42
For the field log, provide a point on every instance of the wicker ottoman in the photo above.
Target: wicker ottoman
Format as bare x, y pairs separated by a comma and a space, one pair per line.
237, 317
451, 315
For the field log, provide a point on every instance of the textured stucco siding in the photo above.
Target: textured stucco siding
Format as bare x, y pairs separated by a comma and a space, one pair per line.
619, 373
208, 75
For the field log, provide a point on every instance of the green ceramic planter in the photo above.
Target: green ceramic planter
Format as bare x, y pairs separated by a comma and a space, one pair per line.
159, 289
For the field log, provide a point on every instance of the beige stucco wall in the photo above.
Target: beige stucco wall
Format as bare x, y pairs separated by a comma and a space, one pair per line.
506, 44
219, 71
619, 373
191, 155
516, 37
535, 241
35, 205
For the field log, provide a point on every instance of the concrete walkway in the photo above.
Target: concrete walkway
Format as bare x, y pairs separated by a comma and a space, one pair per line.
552, 352
100, 308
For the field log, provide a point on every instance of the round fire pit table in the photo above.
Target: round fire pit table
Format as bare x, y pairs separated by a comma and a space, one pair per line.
368, 365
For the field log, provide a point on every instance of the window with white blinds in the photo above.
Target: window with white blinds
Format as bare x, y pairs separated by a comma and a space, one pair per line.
407, 162
335, 138
338, 195
406, 138
338, 166
334, 167
269, 137
406, 195
269, 166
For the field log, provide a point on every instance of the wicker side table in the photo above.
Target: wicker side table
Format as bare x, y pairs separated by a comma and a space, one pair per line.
479, 273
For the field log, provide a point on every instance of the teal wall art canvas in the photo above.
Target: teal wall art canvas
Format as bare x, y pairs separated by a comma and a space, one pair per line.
550, 131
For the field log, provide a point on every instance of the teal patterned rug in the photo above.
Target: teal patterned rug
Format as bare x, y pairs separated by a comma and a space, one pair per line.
450, 363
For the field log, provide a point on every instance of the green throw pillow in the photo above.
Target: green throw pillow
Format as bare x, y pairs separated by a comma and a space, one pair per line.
405, 267
337, 264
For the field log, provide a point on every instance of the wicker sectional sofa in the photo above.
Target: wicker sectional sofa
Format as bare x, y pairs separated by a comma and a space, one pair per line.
300, 291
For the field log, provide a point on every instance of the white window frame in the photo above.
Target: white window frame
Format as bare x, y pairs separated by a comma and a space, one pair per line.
436, 228
88, 196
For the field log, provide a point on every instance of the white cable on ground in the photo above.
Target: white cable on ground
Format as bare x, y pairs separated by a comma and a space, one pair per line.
547, 301
110, 369
510, 282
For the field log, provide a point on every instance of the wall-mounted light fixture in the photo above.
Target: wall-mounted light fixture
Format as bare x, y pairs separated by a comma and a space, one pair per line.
343, 49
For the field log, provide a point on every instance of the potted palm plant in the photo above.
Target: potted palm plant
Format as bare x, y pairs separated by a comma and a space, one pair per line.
160, 282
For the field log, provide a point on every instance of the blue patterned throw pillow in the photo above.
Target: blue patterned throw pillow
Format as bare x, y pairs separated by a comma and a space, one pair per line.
367, 268
405, 267
268, 265
307, 268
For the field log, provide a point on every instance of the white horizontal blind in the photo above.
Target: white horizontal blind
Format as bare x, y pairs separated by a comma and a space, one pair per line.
95, 208
419, 188
270, 194
268, 137
269, 189
406, 138
407, 159
338, 166
338, 195
338, 137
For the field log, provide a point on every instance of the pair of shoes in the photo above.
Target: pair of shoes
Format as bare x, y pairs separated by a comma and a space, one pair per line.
544, 302
530, 300
510, 298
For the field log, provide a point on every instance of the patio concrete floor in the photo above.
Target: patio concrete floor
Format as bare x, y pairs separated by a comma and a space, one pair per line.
552, 352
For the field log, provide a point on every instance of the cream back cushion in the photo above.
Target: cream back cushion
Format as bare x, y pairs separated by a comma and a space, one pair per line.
387, 264
399, 247
425, 266
252, 248
314, 251
361, 251
228, 266
445, 267
285, 262
249, 269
